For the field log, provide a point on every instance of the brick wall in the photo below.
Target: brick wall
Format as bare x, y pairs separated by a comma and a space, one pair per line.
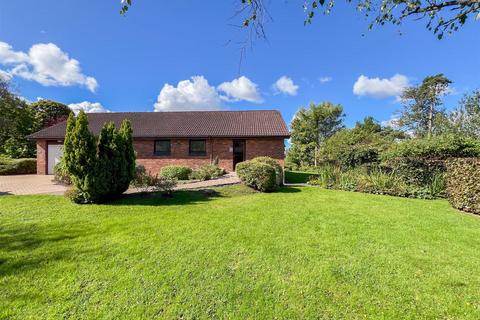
41, 156
221, 148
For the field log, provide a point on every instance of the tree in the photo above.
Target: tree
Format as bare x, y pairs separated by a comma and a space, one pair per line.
423, 105
100, 170
17, 121
465, 119
310, 127
360, 145
442, 16
50, 112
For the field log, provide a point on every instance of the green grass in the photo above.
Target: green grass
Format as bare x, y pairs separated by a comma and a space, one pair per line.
299, 253
297, 176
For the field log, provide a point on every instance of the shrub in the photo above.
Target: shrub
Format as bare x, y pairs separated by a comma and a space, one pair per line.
101, 169
274, 163
436, 147
60, 173
145, 182
175, 172
258, 175
207, 172
17, 166
463, 184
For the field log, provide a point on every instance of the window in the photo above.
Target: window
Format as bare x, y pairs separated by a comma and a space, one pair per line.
161, 148
198, 147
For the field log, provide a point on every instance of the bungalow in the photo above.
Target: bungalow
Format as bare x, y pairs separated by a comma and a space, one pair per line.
192, 138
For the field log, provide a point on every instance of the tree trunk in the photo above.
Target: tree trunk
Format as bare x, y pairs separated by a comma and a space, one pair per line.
430, 121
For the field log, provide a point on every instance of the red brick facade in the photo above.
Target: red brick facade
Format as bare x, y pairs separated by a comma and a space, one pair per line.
41, 156
179, 155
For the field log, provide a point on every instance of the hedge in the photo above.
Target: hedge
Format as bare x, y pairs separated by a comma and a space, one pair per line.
463, 184
17, 166
258, 175
175, 172
274, 163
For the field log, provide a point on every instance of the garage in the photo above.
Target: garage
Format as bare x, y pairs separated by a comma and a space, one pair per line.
55, 152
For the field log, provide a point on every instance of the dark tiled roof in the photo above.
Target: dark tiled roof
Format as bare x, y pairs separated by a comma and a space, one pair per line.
265, 123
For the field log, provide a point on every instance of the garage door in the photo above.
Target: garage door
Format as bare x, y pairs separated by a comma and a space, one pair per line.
55, 152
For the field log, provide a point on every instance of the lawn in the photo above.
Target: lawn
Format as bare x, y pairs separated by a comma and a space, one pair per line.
299, 253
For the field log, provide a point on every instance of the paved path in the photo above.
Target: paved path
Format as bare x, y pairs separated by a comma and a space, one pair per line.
30, 184
43, 184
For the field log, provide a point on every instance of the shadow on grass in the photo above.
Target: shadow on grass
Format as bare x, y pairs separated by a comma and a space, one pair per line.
18, 246
288, 190
180, 197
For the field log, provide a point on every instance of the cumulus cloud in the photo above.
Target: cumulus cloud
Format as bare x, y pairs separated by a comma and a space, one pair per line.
285, 85
325, 79
393, 122
46, 64
380, 88
240, 89
4, 75
193, 94
88, 107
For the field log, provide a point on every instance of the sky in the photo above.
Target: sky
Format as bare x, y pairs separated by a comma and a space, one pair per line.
187, 55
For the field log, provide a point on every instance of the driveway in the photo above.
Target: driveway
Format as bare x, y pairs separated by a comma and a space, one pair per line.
43, 184
30, 184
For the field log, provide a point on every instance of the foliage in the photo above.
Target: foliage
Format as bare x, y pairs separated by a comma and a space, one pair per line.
50, 112
17, 121
423, 106
175, 172
360, 145
207, 172
258, 175
99, 170
441, 16
60, 173
463, 181
148, 183
437, 147
274, 163
465, 119
377, 181
17, 166
310, 128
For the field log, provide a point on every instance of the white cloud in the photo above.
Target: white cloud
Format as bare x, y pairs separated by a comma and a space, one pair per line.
285, 85
4, 75
193, 94
240, 89
46, 64
88, 107
393, 123
325, 79
380, 88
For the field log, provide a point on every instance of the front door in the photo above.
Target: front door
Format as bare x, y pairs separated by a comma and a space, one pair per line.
238, 152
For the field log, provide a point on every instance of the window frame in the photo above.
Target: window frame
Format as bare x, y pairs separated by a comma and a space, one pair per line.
197, 153
162, 153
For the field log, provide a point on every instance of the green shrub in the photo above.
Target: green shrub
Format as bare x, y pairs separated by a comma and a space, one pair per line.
146, 183
100, 169
60, 173
175, 172
258, 175
379, 182
274, 163
298, 176
207, 172
17, 166
463, 184
436, 147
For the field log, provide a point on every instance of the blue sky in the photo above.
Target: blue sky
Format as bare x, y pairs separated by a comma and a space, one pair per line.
124, 63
